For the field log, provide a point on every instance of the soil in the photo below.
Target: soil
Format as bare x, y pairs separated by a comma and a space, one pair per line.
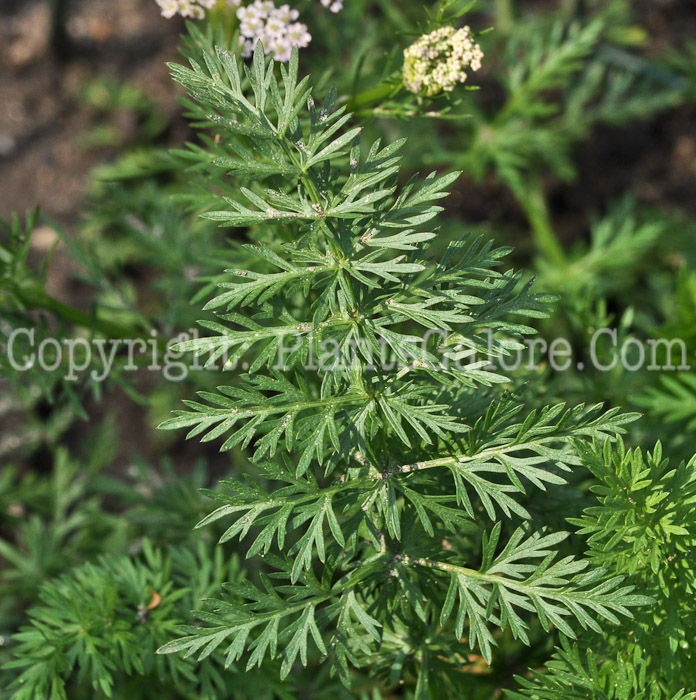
42, 119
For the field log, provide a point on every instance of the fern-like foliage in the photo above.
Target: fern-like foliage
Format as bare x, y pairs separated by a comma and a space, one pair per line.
644, 526
103, 621
674, 399
574, 675
562, 76
620, 244
387, 501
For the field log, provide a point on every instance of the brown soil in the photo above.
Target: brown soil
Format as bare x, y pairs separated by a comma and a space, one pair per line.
42, 120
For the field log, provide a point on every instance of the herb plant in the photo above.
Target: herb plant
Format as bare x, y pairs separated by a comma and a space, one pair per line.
381, 476
383, 510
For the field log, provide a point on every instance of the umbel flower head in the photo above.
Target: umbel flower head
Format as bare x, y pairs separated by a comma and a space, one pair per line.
438, 61
190, 8
275, 26
260, 20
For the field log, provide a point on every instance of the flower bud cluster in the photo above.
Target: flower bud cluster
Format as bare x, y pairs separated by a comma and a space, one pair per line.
438, 61
195, 9
275, 27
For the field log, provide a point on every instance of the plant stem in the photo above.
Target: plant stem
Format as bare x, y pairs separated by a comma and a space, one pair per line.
532, 198
395, 16
375, 94
34, 297
504, 18
220, 16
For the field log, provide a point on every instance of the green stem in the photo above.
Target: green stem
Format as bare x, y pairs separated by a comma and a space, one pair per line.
378, 93
504, 18
482, 456
34, 297
451, 568
288, 408
222, 16
395, 16
566, 592
532, 198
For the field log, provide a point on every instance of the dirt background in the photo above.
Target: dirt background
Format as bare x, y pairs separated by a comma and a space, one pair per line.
42, 118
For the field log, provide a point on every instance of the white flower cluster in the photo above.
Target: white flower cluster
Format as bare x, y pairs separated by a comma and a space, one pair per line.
437, 61
333, 5
275, 26
190, 8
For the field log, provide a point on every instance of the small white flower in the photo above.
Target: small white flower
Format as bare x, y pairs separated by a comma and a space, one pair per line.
298, 35
168, 7
282, 53
275, 27
247, 13
252, 27
280, 47
185, 8
263, 7
285, 14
